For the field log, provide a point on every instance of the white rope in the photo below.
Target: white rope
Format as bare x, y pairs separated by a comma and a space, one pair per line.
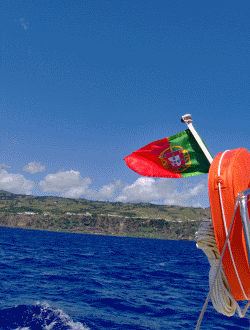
221, 294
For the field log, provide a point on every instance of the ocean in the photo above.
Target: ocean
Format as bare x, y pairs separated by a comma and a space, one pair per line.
59, 281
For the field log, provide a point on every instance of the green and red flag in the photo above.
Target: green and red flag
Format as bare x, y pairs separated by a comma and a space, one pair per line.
175, 157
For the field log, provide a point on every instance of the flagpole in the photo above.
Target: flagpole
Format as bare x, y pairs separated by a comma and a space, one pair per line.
188, 120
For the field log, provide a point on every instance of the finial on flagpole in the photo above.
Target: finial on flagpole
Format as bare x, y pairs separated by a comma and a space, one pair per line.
186, 119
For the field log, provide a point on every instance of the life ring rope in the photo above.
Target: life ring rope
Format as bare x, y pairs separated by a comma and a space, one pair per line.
225, 226
220, 291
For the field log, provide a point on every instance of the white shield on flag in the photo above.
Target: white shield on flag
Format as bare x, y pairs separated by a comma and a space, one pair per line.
175, 161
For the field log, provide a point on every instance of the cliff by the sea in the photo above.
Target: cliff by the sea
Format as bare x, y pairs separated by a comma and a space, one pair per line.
100, 218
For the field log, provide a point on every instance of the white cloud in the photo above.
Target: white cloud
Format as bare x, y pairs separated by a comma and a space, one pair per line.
145, 190
33, 167
71, 184
67, 183
108, 191
4, 165
162, 191
79, 192
189, 197
15, 183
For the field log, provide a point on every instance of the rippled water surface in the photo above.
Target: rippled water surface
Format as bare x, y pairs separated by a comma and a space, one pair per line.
62, 281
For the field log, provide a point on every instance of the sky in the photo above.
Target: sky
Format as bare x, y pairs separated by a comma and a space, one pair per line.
85, 83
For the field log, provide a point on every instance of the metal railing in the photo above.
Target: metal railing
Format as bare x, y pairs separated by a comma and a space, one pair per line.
243, 198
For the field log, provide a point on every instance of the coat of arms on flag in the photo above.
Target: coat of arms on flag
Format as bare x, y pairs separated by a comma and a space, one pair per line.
175, 158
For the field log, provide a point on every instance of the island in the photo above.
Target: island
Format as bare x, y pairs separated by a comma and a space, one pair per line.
136, 219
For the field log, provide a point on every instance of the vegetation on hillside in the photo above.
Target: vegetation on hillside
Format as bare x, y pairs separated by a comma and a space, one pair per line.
105, 218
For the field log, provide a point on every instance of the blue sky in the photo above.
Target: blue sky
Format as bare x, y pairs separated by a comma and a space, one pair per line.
85, 83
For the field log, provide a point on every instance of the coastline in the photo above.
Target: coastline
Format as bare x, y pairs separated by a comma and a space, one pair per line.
103, 225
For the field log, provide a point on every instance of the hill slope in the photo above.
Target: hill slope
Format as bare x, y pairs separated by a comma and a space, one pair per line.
84, 216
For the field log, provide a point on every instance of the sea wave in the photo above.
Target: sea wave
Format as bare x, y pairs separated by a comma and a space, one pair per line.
40, 316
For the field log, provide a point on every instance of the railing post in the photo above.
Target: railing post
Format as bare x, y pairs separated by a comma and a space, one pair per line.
243, 196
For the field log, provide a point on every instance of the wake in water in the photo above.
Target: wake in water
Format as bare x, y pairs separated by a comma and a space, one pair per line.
37, 317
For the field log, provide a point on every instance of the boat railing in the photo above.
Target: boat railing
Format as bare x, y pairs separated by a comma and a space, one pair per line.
243, 198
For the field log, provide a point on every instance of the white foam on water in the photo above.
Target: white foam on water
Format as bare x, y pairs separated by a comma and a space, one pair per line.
66, 320
50, 327
77, 326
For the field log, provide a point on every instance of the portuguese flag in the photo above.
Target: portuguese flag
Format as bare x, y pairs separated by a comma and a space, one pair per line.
175, 157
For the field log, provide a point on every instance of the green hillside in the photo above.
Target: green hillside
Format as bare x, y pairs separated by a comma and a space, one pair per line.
84, 216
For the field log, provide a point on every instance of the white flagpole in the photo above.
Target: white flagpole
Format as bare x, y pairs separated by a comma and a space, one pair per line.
188, 120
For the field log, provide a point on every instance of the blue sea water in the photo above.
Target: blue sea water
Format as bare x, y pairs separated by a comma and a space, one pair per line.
59, 281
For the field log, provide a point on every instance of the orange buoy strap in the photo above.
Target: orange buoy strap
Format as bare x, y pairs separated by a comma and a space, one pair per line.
225, 226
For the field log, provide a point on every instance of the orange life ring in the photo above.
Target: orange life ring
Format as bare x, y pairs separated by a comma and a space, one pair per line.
232, 169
